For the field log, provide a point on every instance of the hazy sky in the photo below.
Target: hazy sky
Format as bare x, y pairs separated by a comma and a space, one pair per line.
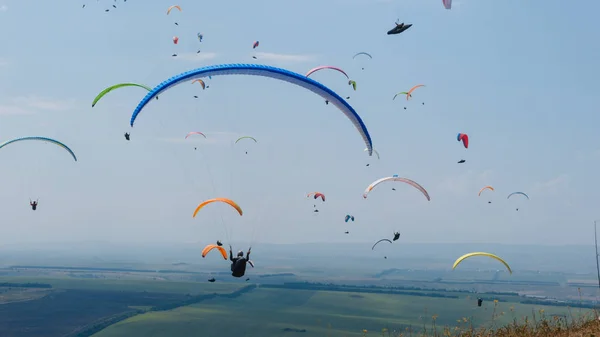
519, 77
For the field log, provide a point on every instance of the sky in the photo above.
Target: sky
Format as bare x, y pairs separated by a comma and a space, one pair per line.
519, 77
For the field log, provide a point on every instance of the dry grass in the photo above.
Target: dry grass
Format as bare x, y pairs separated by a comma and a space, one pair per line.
538, 325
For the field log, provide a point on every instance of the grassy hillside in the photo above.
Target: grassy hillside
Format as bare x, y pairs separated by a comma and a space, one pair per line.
272, 312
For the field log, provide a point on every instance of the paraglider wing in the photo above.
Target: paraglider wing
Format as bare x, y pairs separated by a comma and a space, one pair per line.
225, 200
447, 4
353, 84
266, 71
362, 53
246, 137
374, 151
400, 93
404, 180
409, 93
44, 139
400, 27
521, 193
201, 83
256, 43
194, 133
465, 139
485, 188
208, 248
170, 8
466, 256
117, 86
372, 248
326, 67
316, 195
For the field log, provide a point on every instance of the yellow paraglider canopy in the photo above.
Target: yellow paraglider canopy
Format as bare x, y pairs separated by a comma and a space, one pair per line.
466, 256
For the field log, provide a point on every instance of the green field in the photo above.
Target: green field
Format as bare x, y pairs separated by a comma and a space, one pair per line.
266, 312
167, 287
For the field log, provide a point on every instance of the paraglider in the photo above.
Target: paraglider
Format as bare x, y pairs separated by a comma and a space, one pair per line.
238, 264
409, 93
353, 84
464, 138
313, 70
396, 236
518, 193
33, 204
466, 256
195, 133
170, 8
266, 71
201, 83
225, 200
400, 27
461, 161
209, 248
362, 53
246, 137
211, 280
485, 188
256, 43
386, 240
401, 93
200, 36
127, 135
43, 139
117, 86
175, 39
219, 243
396, 178
316, 195
349, 217
447, 5
479, 300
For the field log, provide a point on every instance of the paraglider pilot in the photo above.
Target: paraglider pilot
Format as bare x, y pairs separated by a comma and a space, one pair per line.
127, 135
238, 263
479, 301
396, 236
33, 204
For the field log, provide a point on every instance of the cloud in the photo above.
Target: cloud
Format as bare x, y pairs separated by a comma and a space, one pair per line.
43, 103
27, 105
554, 185
13, 110
285, 58
196, 57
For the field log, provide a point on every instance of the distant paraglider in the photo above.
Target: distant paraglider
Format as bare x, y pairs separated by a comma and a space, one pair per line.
396, 178
382, 240
518, 193
464, 138
400, 27
466, 256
